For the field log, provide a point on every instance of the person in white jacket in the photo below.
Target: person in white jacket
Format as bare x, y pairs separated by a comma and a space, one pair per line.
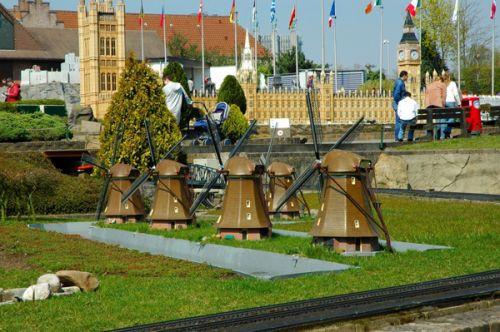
407, 113
176, 97
452, 101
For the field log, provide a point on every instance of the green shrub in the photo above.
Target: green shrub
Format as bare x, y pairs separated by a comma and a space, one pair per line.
235, 125
32, 127
139, 97
29, 184
12, 107
8, 107
232, 93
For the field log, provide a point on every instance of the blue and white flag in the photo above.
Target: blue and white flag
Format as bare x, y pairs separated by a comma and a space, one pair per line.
254, 15
273, 11
333, 14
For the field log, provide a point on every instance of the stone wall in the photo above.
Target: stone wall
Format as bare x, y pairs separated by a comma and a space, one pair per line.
70, 93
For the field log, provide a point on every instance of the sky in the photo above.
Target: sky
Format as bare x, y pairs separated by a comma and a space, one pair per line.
358, 34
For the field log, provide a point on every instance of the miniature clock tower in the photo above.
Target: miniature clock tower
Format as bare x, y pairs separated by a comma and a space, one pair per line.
409, 57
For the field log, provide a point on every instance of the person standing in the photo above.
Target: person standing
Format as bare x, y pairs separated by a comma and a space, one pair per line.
452, 101
13, 93
435, 97
407, 114
176, 97
398, 94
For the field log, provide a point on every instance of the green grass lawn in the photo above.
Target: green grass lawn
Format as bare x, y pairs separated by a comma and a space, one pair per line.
139, 288
474, 143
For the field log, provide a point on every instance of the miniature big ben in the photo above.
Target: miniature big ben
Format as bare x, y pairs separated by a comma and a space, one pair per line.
409, 57
101, 31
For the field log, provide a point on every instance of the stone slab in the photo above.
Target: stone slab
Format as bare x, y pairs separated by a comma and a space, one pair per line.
397, 245
254, 263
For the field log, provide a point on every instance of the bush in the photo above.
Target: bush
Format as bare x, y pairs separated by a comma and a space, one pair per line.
232, 93
29, 184
235, 125
139, 97
31, 127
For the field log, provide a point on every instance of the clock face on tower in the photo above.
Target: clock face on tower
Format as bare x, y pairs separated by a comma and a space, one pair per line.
401, 55
414, 55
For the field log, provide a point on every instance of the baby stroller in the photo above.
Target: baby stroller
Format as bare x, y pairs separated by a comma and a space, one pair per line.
218, 116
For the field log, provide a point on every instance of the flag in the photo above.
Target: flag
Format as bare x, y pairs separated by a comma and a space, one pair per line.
371, 4
493, 9
141, 15
332, 14
233, 12
273, 11
293, 17
162, 18
412, 7
254, 14
200, 10
454, 18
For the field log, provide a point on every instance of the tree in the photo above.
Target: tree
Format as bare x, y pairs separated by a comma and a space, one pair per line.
373, 85
231, 92
477, 77
235, 125
180, 47
431, 59
285, 63
372, 75
139, 97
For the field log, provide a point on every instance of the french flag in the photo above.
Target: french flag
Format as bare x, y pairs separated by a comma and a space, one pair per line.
412, 7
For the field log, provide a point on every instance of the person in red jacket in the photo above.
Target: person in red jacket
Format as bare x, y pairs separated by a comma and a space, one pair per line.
13, 91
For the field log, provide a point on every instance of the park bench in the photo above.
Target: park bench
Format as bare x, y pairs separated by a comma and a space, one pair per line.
493, 115
429, 118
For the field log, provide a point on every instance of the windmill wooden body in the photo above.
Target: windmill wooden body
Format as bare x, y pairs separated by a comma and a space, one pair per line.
345, 219
172, 198
281, 177
132, 209
244, 215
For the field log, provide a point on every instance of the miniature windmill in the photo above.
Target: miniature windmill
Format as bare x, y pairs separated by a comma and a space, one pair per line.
345, 221
281, 177
244, 214
120, 177
172, 198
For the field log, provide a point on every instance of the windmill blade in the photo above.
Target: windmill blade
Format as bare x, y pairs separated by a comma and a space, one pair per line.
118, 138
151, 143
204, 194
135, 185
266, 159
172, 149
102, 196
215, 142
297, 184
349, 134
92, 161
242, 139
313, 126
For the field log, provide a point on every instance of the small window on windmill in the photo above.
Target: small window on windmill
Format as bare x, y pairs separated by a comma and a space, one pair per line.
126, 206
353, 180
176, 209
175, 199
291, 204
356, 223
247, 203
322, 206
249, 216
319, 221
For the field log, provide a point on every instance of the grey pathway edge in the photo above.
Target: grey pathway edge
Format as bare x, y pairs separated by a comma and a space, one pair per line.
249, 262
396, 245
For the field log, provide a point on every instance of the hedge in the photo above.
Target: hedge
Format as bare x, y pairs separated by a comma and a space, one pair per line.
29, 184
32, 127
231, 92
12, 107
235, 125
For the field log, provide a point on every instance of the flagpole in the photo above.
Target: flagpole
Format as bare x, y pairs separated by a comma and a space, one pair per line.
273, 40
235, 41
381, 46
458, 52
202, 53
142, 40
322, 36
296, 55
164, 34
335, 53
420, 13
493, 59
254, 16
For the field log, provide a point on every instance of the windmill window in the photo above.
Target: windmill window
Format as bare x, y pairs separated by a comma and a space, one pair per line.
247, 203
353, 180
322, 206
319, 221
249, 216
356, 223
126, 206
175, 199
176, 209
291, 204
218, 220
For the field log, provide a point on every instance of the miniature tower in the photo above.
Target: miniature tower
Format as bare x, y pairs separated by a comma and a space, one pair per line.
247, 76
101, 34
409, 57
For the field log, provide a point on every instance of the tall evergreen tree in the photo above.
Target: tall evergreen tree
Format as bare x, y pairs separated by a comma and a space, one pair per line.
231, 92
139, 97
431, 58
